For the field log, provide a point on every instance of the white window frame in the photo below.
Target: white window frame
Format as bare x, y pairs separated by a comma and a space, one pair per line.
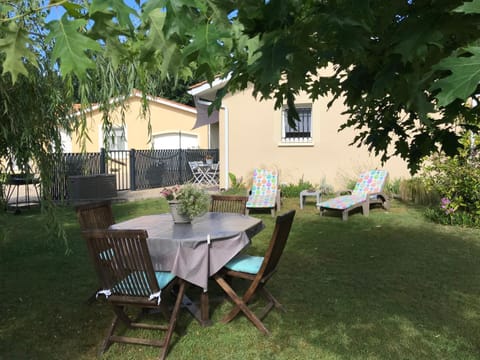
304, 110
113, 144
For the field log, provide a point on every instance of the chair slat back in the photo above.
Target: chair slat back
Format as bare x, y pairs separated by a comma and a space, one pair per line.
277, 244
229, 204
95, 215
125, 267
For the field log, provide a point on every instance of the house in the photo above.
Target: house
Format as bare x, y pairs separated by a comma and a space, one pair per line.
171, 124
252, 134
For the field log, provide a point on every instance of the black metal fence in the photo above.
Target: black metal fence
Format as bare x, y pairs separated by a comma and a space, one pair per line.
134, 169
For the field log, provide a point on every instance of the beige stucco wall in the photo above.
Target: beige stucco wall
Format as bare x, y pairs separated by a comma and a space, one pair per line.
166, 117
255, 141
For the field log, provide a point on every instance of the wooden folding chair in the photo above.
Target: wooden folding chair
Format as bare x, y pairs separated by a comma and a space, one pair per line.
229, 204
128, 280
96, 215
92, 216
258, 270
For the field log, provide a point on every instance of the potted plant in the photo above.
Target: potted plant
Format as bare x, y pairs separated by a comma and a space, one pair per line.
209, 159
186, 202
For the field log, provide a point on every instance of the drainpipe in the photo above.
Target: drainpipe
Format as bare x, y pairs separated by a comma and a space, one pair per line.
227, 178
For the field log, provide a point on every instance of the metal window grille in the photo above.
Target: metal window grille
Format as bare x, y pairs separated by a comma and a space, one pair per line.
303, 131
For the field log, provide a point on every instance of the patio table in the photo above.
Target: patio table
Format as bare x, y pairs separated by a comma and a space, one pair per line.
305, 193
197, 250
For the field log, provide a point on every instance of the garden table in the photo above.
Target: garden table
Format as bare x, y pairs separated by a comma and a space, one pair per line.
13, 184
197, 250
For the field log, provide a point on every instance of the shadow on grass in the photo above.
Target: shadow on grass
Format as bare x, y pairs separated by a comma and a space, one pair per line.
382, 287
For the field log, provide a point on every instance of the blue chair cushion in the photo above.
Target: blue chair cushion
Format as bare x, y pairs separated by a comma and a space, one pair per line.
245, 263
164, 278
126, 285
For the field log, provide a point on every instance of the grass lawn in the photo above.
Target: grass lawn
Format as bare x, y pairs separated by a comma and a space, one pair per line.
387, 286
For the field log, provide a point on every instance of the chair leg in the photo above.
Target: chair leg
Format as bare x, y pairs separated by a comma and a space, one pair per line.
164, 343
268, 295
173, 320
366, 209
386, 204
92, 298
107, 342
119, 311
240, 306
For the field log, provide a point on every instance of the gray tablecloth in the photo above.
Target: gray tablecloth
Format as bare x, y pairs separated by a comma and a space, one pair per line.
184, 250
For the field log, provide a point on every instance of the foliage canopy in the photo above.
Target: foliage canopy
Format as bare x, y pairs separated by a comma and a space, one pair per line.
404, 69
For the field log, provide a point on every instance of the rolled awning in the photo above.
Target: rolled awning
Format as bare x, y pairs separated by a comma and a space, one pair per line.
202, 113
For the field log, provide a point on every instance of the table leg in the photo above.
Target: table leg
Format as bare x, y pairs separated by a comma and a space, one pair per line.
204, 310
201, 314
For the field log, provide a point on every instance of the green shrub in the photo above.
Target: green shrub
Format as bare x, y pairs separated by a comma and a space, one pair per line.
234, 182
457, 181
237, 187
460, 218
293, 190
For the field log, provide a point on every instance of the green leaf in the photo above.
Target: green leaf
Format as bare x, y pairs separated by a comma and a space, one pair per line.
464, 77
122, 11
72, 9
155, 37
416, 45
152, 5
472, 7
71, 46
15, 45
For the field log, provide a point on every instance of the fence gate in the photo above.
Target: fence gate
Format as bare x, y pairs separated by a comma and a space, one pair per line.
118, 162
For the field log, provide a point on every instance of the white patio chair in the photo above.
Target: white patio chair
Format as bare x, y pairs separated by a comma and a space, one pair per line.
198, 174
211, 175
